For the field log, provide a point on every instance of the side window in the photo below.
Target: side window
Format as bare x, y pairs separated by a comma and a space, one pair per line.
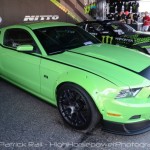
82, 25
16, 37
89, 28
98, 27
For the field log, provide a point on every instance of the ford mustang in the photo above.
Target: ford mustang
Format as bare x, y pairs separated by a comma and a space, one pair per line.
88, 81
118, 33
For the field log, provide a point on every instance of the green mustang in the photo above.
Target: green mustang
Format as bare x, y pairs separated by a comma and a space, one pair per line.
89, 82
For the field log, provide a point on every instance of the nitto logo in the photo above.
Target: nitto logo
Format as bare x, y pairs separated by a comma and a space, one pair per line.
41, 18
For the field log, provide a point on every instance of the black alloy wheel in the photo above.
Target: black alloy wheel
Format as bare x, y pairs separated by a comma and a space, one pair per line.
76, 107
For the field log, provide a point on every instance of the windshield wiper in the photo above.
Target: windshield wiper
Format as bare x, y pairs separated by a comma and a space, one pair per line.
57, 52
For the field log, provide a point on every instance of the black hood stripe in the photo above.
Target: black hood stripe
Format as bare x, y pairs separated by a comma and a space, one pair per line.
104, 61
144, 73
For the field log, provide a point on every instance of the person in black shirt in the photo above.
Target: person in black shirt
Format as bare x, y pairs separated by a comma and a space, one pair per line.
130, 7
112, 7
121, 17
135, 17
110, 16
116, 16
126, 6
135, 7
119, 6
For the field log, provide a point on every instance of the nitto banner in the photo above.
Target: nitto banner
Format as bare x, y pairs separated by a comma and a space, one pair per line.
19, 11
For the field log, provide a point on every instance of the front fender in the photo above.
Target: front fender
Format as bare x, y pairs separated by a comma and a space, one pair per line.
98, 88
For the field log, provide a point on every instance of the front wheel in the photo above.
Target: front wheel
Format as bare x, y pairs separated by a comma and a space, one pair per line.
77, 107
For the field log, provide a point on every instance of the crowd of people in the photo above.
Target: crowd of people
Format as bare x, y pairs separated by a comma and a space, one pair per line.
127, 12
131, 18
126, 17
123, 10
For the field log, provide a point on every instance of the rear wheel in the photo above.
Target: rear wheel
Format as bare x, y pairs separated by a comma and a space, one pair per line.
76, 107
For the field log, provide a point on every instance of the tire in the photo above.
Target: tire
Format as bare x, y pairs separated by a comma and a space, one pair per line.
77, 107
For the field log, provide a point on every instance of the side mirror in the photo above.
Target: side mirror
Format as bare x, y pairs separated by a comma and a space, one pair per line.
25, 48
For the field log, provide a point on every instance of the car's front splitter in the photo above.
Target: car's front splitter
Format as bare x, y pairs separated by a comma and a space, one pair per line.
126, 129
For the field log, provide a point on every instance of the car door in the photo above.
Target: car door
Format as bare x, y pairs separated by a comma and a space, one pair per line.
23, 68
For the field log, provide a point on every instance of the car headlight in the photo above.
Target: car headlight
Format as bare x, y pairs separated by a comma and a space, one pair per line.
126, 93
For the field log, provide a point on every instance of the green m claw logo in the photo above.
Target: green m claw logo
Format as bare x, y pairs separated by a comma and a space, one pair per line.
89, 7
107, 39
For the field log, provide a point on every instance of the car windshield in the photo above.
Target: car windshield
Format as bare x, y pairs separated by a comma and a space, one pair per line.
97, 26
59, 39
122, 28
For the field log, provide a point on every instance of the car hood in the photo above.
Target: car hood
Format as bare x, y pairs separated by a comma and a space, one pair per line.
117, 64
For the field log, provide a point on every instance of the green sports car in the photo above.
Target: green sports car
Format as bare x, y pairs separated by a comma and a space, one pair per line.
89, 82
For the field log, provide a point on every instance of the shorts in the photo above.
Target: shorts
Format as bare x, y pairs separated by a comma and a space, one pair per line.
145, 28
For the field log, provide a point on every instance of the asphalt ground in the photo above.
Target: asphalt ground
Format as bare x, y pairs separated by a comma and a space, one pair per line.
29, 123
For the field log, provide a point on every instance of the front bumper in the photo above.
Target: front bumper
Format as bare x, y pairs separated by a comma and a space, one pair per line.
127, 116
126, 129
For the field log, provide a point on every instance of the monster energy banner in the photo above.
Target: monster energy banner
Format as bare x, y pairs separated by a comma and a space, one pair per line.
19, 11
107, 39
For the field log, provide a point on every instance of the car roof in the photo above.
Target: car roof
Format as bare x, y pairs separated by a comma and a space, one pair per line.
103, 22
39, 25
47, 24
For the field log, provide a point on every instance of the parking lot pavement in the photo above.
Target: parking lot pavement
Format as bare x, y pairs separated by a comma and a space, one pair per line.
28, 123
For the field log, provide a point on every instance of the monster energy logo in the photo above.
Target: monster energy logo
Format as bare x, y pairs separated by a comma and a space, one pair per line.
107, 39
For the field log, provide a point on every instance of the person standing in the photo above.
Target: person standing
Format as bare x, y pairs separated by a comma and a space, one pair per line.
146, 22
121, 17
